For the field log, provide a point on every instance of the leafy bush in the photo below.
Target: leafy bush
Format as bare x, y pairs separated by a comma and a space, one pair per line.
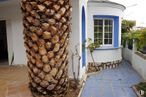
92, 45
127, 25
139, 36
130, 44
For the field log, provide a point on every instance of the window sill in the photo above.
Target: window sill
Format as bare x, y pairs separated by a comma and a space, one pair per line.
108, 48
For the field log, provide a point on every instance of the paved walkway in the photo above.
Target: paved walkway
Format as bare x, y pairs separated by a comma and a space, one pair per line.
112, 82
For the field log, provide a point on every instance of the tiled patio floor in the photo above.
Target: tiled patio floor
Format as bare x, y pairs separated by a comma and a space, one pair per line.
14, 82
112, 82
108, 83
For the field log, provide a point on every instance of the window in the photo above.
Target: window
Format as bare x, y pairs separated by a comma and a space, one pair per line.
103, 31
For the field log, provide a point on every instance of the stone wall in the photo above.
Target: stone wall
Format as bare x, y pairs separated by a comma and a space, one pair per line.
95, 67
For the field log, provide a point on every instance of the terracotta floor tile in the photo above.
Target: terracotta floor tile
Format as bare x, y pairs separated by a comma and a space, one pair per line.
23, 89
14, 95
12, 91
26, 94
3, 88
14, 81
2, 93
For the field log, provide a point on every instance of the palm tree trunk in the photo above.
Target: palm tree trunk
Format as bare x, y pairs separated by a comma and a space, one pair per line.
46, 37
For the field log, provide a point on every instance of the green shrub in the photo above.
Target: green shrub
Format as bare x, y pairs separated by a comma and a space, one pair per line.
139, 36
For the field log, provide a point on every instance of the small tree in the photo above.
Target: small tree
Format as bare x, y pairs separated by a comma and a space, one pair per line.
92, 46
127, 25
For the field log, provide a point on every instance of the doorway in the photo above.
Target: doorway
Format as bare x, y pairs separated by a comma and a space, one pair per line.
3, 43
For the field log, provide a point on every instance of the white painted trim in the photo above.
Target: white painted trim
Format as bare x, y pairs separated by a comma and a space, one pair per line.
103, 31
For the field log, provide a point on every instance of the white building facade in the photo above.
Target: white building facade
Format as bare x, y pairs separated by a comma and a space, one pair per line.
83, 27
104, 25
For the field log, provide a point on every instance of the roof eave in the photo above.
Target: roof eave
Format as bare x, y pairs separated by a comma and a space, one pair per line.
109, 2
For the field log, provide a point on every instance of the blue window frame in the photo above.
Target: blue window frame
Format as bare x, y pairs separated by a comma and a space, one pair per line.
115, 36
103, 31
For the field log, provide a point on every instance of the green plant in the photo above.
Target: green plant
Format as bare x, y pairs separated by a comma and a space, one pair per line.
139, 36
92, 46
142, 86
141, 40
130, 44
126, 38
127, 25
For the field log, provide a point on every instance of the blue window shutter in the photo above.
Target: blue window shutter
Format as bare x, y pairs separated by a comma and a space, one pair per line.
116, 32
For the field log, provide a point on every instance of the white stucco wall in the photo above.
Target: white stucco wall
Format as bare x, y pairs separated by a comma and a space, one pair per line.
75, 36
18, 42
127, 54
9, 40
104, 9
13, 17
105, 55
138, 63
